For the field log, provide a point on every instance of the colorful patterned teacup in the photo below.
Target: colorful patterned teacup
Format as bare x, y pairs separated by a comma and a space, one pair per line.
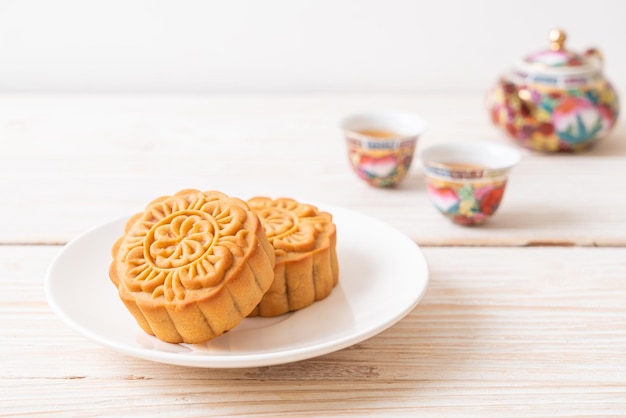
381, 145
466, 180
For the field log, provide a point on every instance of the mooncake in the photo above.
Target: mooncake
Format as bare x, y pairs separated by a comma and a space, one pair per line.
304, 240
192, 265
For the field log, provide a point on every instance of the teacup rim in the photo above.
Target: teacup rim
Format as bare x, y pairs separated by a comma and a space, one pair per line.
509, 157
347, 124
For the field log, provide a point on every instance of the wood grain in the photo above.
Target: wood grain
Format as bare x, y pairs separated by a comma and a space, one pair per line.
527, 332
523, 317
84, 160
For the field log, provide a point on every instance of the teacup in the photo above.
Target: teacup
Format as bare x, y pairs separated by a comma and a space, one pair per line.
466, 180
381, 145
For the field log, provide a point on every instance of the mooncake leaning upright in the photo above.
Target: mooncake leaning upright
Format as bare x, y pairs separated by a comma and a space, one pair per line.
192, 265
304, 240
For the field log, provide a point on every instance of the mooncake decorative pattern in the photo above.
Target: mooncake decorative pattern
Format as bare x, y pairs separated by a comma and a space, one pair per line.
183, 244
304, 240
192, 265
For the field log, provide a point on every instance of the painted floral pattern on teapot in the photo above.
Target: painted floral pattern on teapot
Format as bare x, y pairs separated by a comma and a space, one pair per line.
555, 100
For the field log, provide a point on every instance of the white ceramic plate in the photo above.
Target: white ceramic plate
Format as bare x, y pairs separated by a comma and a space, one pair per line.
383, 275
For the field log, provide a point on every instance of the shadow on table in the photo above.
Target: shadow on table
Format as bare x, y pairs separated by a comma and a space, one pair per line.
528, 218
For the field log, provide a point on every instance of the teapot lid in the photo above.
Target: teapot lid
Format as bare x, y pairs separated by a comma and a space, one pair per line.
559, 60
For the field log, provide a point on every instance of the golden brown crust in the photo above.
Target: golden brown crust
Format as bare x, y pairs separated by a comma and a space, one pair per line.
304, 240
192, 265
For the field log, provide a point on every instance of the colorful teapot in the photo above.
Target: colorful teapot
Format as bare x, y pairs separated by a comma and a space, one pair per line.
555, 100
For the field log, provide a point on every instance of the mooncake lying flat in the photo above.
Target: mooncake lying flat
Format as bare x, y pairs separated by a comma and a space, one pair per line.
192, 265
304, 240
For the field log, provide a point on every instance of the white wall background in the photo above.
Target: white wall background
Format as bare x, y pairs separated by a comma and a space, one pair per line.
289, 46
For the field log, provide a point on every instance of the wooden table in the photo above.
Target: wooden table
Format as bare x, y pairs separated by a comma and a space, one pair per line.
525, 316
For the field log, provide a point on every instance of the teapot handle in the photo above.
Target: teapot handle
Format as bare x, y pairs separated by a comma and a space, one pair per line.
595, 54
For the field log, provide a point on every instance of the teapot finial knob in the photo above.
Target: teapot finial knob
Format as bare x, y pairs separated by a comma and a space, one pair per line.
557, 39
